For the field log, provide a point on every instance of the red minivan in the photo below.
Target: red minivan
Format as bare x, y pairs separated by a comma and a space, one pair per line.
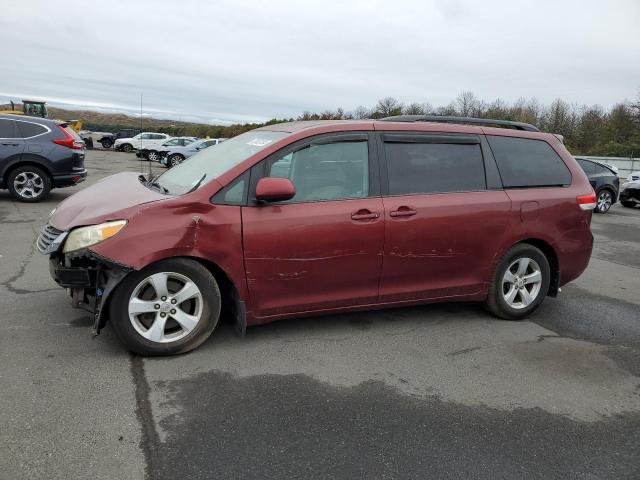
308, 218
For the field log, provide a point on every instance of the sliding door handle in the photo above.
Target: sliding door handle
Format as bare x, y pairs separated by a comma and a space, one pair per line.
403, 212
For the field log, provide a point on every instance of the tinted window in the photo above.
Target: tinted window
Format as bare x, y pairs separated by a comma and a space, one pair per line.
329, 171
601, 169
146, 136
7, 129
587, 166
524, 162
434, 168
28, 129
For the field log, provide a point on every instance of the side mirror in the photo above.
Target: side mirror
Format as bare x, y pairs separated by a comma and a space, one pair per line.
275, 189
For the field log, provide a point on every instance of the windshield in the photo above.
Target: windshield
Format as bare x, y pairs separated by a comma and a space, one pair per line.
210, 163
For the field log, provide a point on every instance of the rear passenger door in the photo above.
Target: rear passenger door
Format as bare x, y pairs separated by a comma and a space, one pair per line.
444, 215
11, 145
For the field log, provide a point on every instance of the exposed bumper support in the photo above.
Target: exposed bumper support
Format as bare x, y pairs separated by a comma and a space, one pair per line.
90, 279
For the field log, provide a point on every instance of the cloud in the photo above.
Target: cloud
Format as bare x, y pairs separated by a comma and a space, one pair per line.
233, 61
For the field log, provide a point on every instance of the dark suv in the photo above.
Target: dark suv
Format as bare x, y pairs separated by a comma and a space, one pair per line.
310, 218
604, 181
36, 155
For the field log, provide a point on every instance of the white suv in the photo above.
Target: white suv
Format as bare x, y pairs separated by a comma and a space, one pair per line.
141, 141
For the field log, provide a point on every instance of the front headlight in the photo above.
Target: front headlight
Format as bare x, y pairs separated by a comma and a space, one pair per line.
84, 237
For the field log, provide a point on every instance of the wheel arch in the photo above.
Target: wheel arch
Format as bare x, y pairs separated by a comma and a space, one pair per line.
232, 304
552, 257
23, 163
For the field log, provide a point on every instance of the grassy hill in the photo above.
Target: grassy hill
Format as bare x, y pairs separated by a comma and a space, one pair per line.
111, 122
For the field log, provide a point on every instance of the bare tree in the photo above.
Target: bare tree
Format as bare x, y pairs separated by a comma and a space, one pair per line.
413, 109
361, 112
387, 107
466, 103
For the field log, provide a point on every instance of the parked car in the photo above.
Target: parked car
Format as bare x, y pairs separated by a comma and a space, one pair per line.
36, 155
604, 180
630, 194
361, 215
155, 153
142, 140
175, 155
107, 140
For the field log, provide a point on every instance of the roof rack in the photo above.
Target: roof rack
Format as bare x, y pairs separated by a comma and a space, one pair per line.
465, 120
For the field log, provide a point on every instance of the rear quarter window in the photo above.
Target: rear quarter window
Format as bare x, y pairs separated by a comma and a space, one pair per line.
28, 129
525, 162
7, 129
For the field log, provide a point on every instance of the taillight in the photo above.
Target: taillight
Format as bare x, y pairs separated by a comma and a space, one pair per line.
69, 141
587, 202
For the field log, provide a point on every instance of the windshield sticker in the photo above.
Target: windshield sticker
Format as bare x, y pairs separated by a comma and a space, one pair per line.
259, 142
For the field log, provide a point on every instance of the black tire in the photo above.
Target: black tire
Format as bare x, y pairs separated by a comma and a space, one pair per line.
496, 302
153, 156
211, 302
175, 159
604, 201
106, 144
41, 187
126, 147
628, 204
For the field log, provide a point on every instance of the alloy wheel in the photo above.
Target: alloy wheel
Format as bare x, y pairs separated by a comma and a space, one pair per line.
165, 307
153, 156
604, 202
521, 283
28, 184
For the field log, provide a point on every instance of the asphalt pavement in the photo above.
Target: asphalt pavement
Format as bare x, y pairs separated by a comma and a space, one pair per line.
440, 391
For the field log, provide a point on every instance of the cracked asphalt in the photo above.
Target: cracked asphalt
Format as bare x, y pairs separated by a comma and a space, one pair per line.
441, 391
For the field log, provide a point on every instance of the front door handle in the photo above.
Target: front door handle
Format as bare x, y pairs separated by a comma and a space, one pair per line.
403, 212
364, 214
10, 144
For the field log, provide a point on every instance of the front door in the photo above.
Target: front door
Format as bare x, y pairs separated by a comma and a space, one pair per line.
442, 223
323, 248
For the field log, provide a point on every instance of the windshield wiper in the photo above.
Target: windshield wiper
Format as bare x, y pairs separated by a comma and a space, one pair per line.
195, 187
152, 183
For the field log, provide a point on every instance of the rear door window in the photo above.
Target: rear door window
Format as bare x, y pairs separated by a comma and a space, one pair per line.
28, 129
417, 167
8, 128
587, 166
525, 162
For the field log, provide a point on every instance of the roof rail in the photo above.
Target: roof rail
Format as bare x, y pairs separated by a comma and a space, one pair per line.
465, 120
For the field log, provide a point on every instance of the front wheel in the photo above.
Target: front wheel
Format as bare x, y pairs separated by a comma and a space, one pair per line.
170, 307
604, 201
153, 156
126, 148
106, 144
175, 159
628, 204
519, 284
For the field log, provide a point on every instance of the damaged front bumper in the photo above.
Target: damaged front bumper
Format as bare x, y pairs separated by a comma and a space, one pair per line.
90, 278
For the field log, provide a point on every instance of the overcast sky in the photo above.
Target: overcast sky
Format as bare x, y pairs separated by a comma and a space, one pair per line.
234, 60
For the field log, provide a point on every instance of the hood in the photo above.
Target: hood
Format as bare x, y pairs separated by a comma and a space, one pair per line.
102, 201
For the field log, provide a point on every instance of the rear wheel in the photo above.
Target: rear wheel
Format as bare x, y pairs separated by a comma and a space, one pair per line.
106, 144
126, 148
520, 283
175, 159
29, 184
167, 308
604, 201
